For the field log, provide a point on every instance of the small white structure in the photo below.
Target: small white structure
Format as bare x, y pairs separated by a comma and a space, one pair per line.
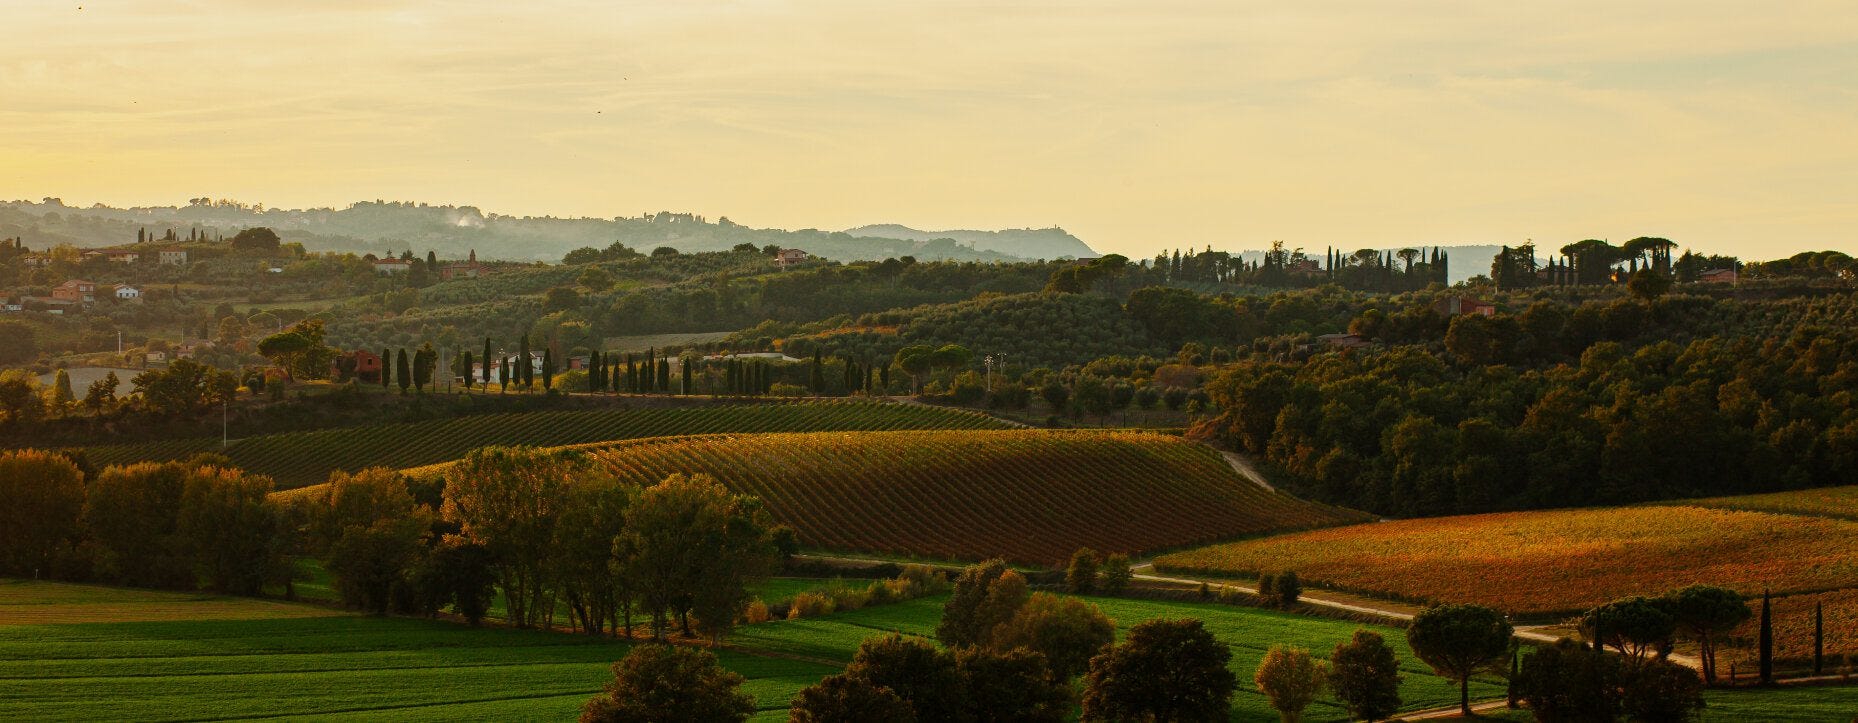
125, 292
392, 266
173, 257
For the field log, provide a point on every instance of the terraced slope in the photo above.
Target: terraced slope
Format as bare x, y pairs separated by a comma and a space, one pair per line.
305, 458
1032, 496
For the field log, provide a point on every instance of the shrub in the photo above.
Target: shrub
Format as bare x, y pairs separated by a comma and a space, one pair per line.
1288, 589
1014, 685
756, 612
916, 671
809, 604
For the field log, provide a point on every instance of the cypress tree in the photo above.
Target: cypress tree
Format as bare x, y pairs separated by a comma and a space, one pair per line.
1819, 637
526, 367
817, 379
403, 371
466, 366
883, 376
387, 360
618, 380
486, 376
664, 377
1509, 686
1766, 641
548, 368
686, 387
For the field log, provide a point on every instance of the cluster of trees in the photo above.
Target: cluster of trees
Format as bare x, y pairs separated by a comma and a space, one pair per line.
175, 525
1558, 405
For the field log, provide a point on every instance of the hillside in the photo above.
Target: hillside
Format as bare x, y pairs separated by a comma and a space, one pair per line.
306, 458
1034, 243
453, 231
1032, 496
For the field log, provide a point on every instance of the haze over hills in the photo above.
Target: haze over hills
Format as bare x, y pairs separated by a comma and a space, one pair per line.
1040, 243
452, 231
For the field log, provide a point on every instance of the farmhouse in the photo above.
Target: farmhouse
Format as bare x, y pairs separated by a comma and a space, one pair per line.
392, 266
1456, 305
173, 257
125, 292
115, 256
466, 270
790, 257
187, 349
75, 290
37, 261
1344, 341
1717, 276
366, 365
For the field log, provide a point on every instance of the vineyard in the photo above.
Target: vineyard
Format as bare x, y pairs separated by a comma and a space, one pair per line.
1031, 496
306, 458
1554, 562
1835, 502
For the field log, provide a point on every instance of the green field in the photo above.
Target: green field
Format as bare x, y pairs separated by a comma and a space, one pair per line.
395, 668
305, 458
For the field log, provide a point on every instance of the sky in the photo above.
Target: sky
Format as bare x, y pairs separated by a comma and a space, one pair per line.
1729, 127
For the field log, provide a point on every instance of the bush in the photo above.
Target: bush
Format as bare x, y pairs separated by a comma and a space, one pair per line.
1288, 589
1569, 682
916, 671
1660, 690
756, 612
809, 604
1116, 574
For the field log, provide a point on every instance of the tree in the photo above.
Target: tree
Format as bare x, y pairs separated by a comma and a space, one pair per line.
485, 379
1116, 574
1365, 676
130, 514
844, 699
21, 342
1765, 639
548, 368
1291, 679
368, 562
41, 498
1570, 683
460, 572
560, 298
62, 395
256, 239
506, 499
916, 671
1056, 395
1165, 670
966, 618
694, 546
403, 371
101, 397
1648, 285
20, 398
1458, 641
1080, 578
1638, 627
915, 360
283, 349
424, 361
595, 279
1287, 589
233, 530
1012, 685
1660, 690
669, 684
585, 564
1067, 631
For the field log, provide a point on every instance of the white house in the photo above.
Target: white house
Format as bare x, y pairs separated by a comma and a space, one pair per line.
392, 266
173, 257
125, 292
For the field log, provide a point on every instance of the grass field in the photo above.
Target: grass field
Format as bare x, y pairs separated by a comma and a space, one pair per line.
338, 665
1031, 496
306, 458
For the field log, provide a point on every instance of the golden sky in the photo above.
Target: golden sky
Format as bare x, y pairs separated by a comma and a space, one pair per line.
1730, 127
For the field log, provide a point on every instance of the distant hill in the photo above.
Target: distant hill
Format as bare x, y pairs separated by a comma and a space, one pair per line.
1038, 243
452, 231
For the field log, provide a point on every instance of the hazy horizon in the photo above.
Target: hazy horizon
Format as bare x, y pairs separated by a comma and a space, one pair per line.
1725, 128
